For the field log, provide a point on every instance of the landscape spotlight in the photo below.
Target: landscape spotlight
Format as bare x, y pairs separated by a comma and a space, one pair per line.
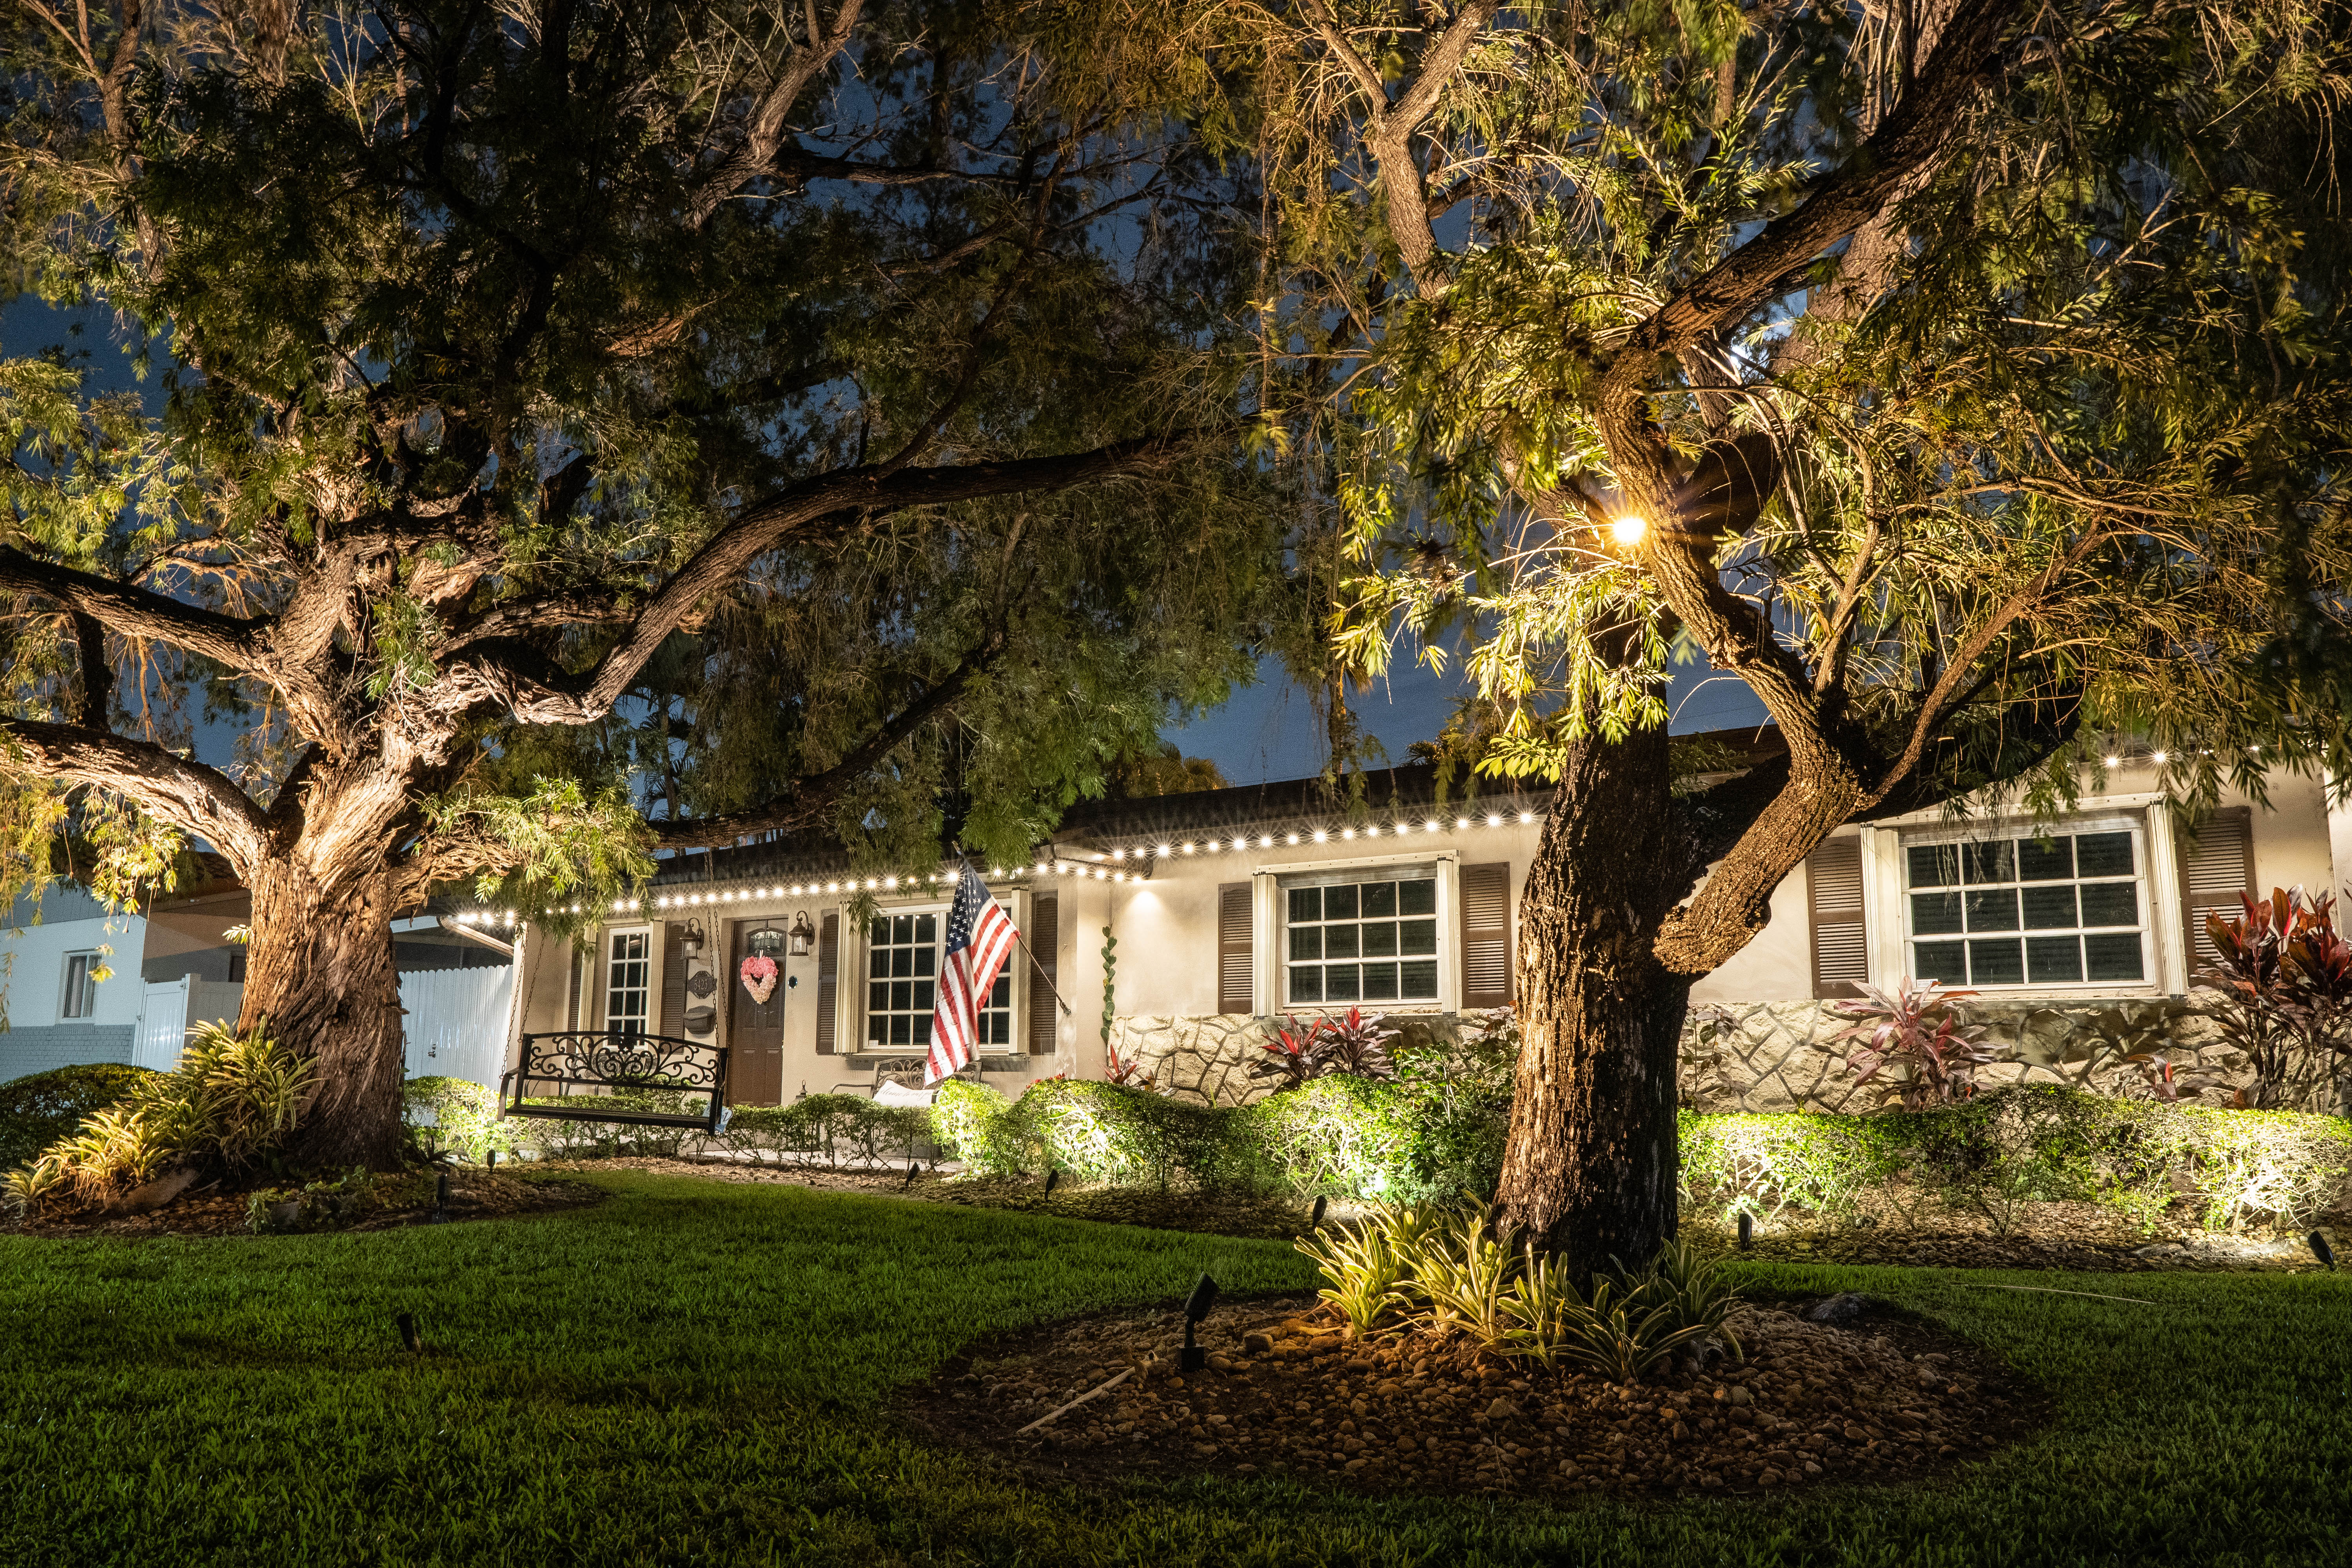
1629, 531
1196, 1307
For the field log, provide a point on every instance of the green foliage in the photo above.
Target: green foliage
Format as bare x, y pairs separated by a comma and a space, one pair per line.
552, 1138
831, 1130
972, 1123
1416, 1140
1767, 1164
463, 1116
1448, 1269
38, 1109
1994, 1155
232, 1100
315, 1205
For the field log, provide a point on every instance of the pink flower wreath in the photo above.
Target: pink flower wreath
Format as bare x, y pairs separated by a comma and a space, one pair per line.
759, 977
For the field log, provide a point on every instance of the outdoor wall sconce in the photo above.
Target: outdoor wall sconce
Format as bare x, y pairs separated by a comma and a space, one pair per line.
802, 934
690, 944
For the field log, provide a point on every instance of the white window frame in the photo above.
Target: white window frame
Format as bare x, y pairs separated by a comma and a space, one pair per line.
1013, 903
1269, 915
90, 960
605, 960
1888, 848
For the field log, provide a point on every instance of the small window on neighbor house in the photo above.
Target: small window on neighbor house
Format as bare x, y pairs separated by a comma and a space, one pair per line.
237, 967
628, 981
1360, 941
80, 999
2064, 910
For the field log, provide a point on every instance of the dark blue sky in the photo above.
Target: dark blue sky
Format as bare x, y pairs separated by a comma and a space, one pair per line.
1269, 731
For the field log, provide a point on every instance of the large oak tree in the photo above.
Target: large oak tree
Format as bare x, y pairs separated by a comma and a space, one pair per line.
1967, 377
585, 429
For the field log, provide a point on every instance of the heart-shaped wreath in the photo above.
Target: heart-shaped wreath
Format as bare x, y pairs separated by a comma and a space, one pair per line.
759, 977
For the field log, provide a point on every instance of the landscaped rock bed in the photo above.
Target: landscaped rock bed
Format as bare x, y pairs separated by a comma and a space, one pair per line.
406, 1198
1866, 1396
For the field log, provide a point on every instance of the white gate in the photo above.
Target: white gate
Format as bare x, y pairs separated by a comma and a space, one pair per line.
162, 1026
456, 1021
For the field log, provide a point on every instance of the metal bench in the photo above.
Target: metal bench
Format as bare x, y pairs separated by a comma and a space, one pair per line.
596, 1065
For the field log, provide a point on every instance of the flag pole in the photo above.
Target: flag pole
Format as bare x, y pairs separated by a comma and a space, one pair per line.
1021, 937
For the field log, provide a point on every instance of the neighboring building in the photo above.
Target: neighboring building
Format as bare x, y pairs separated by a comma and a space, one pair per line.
178, 966
1232, 907
59, 1011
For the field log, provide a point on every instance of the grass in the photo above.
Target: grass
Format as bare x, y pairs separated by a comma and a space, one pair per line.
697, 1371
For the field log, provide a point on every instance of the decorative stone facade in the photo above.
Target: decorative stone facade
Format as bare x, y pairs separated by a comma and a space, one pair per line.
1200, 1058
1784, 1056
1765, 1056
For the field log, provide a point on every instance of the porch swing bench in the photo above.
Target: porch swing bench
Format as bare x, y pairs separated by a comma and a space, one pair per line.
575, 1075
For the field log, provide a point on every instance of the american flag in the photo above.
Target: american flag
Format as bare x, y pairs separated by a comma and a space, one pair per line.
980, 935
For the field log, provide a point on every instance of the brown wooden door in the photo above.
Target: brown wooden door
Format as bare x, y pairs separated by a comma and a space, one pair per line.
755, 1030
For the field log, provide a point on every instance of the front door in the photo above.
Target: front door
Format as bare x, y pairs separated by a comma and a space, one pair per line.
755, 1030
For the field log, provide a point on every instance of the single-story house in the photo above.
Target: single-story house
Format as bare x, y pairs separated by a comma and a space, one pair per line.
1175, 930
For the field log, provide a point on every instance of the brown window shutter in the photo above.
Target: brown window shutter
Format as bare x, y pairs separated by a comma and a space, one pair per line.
673, 996
1235, 958
2216, 867
828, 979
578, 983
1044, 938
1833, 902
1485, 937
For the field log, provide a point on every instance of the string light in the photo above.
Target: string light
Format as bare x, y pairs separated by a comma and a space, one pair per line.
2158, 758
1292, 839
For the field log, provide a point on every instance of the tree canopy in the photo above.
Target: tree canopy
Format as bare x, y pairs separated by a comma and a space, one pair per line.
582, 429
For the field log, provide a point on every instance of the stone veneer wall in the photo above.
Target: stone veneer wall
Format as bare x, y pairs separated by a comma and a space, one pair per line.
1746, 1057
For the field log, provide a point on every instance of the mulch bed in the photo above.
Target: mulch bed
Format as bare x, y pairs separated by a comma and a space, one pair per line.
401, 1199
1877, 1398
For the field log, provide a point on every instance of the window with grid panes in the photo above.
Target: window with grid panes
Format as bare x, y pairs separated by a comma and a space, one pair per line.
1361, 941
2063, 911
902, 967
628, 981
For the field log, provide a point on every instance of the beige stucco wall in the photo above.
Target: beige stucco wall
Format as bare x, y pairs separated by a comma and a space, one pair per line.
1165, 992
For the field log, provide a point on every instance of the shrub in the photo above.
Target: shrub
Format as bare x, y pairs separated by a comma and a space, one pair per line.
1918, 1032
2280, 1165
1354, 1046
1108, 1133
832, 1130
462, 1115
38, 1109
2284, 975
1364, 1266
232, 1099
1416, 1140
972, 1122
550, 1139
1767, 1164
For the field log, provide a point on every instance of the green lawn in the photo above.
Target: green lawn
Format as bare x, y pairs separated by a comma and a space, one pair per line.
694, 1372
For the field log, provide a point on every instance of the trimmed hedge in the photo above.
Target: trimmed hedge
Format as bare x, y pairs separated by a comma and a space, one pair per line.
37, 1109
835, 1129
1413, 1141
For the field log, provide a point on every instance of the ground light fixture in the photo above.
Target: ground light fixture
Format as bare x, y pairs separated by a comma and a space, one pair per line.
1196, 1307
1747, 1230
2321, 1250
1629, 531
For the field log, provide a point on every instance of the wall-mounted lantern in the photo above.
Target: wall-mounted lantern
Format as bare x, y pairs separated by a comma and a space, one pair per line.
690, 944
803, 933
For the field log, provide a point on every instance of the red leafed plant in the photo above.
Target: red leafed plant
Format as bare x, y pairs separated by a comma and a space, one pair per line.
1355, 1045
1126, 1071
1914, 1030
2284, 974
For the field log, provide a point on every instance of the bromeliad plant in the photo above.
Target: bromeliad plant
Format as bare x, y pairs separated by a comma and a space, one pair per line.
1454, 1271
1915, 1030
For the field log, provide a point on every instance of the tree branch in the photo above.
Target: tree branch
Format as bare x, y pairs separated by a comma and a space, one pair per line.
196, 799
136, 611
814, 794
826, 508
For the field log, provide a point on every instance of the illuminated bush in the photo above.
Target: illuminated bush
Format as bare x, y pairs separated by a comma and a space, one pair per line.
830, 1129
1770, 1164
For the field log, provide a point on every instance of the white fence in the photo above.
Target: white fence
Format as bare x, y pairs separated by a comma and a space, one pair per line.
457, 1023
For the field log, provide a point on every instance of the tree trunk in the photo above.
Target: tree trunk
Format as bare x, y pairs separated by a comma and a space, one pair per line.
318, 977
1590, 1169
